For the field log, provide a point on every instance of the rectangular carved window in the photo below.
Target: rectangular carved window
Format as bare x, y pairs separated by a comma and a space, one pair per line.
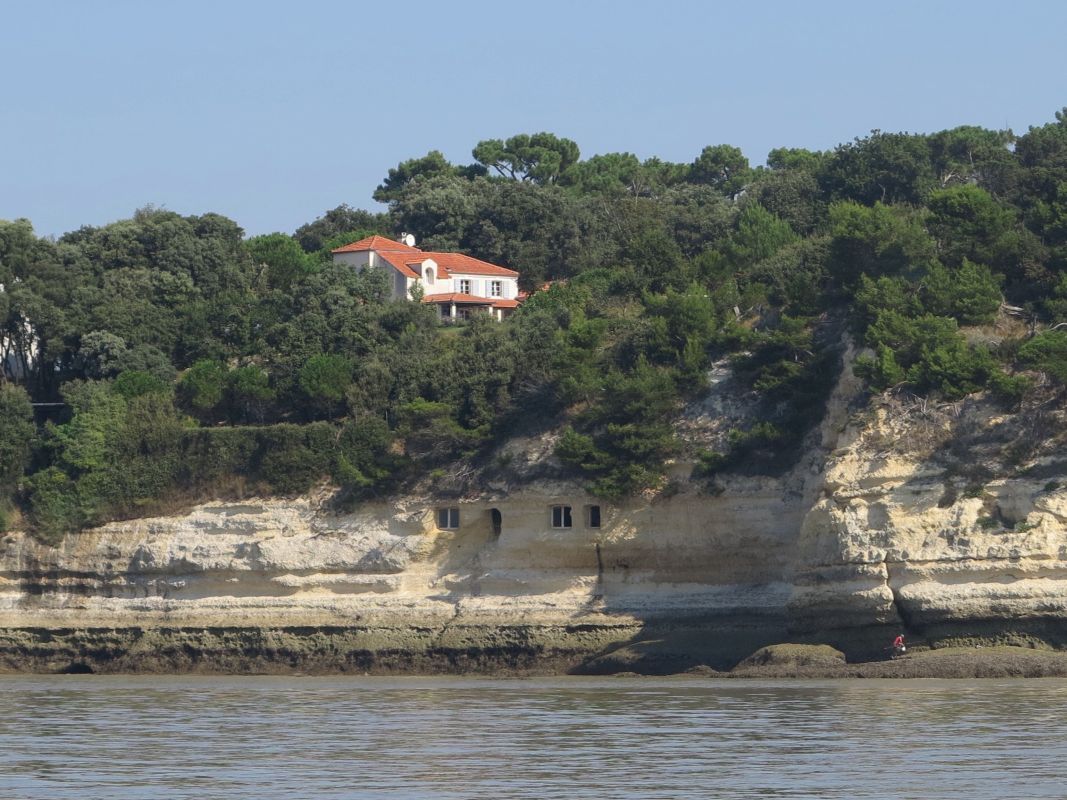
561, 516
447, 518
592, 516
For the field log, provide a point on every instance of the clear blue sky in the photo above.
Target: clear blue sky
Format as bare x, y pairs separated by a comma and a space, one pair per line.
273, 112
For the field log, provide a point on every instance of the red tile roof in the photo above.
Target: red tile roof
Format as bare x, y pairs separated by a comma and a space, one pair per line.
468, 265
400, 261
469, 299
376, 243
457, 297
403, 257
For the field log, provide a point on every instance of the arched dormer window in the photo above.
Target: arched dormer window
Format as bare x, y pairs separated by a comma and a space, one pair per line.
429, 275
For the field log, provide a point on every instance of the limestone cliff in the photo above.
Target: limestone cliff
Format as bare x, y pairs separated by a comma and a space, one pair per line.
948, 523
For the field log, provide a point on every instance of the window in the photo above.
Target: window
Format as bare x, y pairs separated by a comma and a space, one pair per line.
447, 518
592, 516
496, 289
429, 275
464, 286
561, 516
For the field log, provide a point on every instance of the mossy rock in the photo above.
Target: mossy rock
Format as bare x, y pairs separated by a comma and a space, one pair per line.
795, 655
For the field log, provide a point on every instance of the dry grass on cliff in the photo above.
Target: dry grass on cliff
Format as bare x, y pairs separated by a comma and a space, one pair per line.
973, 440
909, 425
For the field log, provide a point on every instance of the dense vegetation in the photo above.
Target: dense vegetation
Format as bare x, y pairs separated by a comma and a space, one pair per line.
170, 357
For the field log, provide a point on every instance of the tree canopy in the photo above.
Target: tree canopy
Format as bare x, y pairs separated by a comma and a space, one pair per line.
203, 357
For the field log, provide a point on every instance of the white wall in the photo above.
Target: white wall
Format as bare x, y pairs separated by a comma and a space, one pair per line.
440, 285
360, 258
401, 285
480, 285
363, 259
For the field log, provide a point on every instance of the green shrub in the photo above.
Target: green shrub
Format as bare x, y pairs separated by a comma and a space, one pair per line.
248, 393
208, 455
796, 276
933, 356
283, 459
364, 460
325, 379
17, 433
1047, 352
969, 223
875, 296
881, 372
203, 385
1009, 389
683, 326
55, 507
710, 462
116, 457
876, 240
430, 431
760, 434
284, 259
759, 236
792, 376
970, 293
954, 369
1056, 305
112, 457
760, 447
579, 451
291, 469
625, 437
132, 383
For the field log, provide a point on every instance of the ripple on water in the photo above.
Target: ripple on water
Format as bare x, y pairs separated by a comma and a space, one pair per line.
126, 737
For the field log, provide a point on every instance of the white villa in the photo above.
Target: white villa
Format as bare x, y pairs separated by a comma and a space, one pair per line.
457, 284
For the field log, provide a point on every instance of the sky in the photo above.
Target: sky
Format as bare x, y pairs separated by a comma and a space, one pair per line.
274, 112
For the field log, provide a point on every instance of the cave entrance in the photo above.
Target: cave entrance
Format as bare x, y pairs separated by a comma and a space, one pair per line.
497, 520
78, 668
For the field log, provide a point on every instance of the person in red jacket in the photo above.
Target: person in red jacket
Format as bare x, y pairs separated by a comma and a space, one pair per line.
898, 646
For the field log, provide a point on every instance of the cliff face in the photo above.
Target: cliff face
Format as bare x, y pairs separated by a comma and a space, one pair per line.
402, 593
951, 545
887, 524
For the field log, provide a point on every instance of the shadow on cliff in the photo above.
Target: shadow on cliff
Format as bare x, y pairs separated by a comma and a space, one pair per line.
687, 643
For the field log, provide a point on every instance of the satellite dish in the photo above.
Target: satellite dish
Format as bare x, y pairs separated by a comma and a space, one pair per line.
407, 239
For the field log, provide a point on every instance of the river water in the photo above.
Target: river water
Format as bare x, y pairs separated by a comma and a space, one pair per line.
178, 737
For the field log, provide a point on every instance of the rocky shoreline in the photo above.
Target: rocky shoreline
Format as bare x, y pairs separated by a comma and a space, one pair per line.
948, 662
517, 651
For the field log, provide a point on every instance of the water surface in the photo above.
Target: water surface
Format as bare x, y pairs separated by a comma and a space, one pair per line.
177, 738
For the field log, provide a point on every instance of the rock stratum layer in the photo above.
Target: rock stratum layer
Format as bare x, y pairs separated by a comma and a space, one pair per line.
876, 531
